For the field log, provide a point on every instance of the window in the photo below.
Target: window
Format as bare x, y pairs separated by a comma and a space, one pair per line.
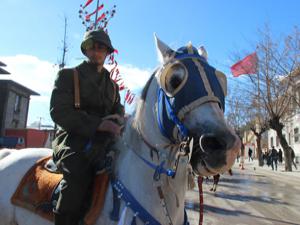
21, 141
17, 106
277, 141
296, 135
272, 141
15, 123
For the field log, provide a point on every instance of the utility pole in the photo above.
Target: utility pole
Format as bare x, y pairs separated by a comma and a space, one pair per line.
65, 47
62, 63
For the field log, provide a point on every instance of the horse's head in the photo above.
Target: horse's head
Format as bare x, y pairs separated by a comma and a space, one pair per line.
189, 101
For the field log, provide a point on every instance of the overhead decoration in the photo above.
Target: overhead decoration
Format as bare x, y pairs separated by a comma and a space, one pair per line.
100, 22
98, 19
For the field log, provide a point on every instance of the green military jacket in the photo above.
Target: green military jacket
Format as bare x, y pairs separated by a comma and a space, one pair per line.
99, 97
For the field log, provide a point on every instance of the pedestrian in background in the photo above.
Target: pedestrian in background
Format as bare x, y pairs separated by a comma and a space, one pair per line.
274, 158
238, 157
250, 152
293, 158
268, 157
265, 157
280, 155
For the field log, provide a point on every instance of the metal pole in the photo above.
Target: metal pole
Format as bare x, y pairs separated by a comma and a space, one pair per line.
96, 17
62, 65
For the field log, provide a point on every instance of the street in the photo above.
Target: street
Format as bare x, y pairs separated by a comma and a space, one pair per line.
251, 196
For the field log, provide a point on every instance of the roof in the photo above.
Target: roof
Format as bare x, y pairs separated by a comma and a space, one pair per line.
17, 85
2, 71
2, 64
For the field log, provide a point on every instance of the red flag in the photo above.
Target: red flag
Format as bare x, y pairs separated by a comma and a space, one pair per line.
87, 3
247, 65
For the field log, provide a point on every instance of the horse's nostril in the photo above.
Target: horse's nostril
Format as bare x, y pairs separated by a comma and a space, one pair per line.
211, 142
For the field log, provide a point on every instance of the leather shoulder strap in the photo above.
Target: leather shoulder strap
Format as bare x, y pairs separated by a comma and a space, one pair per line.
76, 89
115, 92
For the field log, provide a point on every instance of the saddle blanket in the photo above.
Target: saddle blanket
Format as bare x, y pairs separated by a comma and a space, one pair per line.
36, 189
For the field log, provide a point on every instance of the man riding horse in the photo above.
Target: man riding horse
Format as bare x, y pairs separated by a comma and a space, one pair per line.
178, 126
86, 127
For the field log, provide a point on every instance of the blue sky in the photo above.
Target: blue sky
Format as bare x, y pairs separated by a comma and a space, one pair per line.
32, 32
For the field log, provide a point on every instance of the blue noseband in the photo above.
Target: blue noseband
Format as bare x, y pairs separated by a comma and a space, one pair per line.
202, 86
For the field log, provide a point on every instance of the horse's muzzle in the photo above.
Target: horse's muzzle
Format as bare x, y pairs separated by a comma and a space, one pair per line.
213, 152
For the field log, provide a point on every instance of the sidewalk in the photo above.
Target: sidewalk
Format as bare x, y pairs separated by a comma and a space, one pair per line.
280, 173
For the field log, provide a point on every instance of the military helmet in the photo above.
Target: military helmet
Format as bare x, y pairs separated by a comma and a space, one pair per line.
96, 36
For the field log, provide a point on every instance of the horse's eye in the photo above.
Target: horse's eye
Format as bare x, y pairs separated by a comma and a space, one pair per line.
175, 79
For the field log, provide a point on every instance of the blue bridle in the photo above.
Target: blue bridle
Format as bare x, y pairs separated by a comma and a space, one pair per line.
193, 91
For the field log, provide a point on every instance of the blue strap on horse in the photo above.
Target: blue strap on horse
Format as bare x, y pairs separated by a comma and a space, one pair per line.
159, 169
161, 96
182, 129
184, 56
159, 120
136, 207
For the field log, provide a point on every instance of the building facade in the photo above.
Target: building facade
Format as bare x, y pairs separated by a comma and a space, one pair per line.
291, 122
14, 105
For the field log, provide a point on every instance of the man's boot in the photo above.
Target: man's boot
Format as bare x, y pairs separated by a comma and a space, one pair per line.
74, 219
59, 218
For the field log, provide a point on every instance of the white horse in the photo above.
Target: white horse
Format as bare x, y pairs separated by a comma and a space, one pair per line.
5, 152
182, 101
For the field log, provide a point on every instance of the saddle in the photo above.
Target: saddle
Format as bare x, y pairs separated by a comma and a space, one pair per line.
39, 189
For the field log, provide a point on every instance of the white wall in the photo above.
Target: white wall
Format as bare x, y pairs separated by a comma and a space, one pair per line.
288, 131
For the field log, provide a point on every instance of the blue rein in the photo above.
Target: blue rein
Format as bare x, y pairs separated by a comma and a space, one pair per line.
159, 169
161, 96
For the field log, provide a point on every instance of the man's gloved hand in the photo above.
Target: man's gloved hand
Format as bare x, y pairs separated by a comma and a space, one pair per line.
112, 123
116, 118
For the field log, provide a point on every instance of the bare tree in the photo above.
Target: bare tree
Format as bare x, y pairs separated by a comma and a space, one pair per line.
235, 114
257, 121
277, 62
244, 113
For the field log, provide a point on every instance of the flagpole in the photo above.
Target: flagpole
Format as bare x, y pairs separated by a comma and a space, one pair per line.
96, 17
258, 90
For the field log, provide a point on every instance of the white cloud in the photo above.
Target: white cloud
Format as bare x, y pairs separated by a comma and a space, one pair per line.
134, 78
36, 74
39, 76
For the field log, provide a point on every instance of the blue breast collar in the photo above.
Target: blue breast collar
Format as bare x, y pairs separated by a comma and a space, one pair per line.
136, 207
193, 90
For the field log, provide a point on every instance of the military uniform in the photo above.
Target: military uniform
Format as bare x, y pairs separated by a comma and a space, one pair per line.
78, 145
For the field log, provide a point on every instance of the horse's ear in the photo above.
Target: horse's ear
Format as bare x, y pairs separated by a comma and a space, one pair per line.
164, 51
202, 51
